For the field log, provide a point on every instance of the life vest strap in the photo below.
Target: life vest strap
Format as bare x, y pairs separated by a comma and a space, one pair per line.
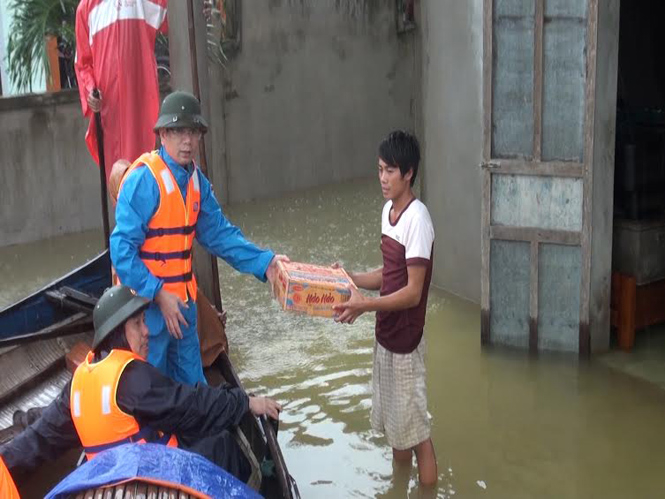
177, 278
162, 256
170, 231
164, 439
142, 434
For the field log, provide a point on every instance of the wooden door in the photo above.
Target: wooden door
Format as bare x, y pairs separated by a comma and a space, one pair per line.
539, 67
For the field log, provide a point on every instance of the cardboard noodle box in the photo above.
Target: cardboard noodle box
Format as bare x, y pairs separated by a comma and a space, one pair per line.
311, 289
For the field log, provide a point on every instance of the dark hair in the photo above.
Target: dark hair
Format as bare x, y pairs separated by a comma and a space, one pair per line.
116, 340
401, 149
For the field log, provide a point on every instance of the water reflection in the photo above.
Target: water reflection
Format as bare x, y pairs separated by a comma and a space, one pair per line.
28, 267
504, 425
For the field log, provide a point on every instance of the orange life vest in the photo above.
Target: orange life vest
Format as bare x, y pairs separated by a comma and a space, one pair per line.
99, 421
167, 249
7, 486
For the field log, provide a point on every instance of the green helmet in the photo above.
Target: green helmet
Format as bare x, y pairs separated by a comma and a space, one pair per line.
181, 110
116, 305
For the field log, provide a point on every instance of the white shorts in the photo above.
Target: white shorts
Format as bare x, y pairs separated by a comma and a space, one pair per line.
399, 396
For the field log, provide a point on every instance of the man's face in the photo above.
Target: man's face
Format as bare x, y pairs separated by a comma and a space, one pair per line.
181, 144
136, 333
393, 185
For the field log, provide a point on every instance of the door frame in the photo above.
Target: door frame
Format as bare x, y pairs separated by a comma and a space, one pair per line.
535, 166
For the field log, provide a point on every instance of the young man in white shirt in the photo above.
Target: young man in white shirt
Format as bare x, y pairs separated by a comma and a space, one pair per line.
399, 399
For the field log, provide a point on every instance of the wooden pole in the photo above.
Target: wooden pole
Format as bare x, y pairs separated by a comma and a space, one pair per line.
217, 296
102, 172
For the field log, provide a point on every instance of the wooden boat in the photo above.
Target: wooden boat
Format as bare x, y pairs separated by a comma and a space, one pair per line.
38, 331
134, 490
41, 333
43, 315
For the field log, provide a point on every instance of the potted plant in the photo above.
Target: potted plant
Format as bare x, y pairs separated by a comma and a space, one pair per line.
36, 25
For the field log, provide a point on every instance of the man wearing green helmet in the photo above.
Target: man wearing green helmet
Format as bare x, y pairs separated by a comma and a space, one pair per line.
163, 204
116, 397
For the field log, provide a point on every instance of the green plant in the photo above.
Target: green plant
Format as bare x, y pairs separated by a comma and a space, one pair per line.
33, 20
216, 28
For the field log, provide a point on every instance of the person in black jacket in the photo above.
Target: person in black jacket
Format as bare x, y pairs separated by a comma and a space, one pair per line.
134, 402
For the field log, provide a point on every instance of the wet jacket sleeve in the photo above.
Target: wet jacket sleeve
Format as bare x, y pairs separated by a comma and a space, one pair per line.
223, 239
45, 440
188, 411
137, 203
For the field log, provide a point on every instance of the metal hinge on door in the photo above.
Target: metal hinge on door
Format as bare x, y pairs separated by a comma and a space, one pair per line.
490, 164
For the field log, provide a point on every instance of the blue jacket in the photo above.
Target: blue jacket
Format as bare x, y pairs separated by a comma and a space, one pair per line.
138, 202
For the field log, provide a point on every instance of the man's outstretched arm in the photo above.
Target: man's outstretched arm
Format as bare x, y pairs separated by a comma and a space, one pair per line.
407, 297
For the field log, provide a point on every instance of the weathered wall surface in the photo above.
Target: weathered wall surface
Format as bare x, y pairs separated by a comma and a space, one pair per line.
305, 102
452, 41
49, 184
313, 89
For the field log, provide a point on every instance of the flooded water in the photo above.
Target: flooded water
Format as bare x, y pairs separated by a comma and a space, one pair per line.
27, 267
504, 425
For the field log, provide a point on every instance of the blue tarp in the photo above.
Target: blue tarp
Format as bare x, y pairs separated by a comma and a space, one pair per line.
157, 462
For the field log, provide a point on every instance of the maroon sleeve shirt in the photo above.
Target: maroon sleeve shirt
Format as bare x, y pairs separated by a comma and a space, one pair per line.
408, 241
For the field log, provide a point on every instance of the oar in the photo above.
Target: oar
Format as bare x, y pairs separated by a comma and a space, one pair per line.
102, 172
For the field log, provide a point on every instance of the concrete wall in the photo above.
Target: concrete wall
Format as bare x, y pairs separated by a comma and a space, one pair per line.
452, 41
314, 88
49, 185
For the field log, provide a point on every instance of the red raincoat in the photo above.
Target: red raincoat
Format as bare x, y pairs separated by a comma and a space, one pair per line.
115, 52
